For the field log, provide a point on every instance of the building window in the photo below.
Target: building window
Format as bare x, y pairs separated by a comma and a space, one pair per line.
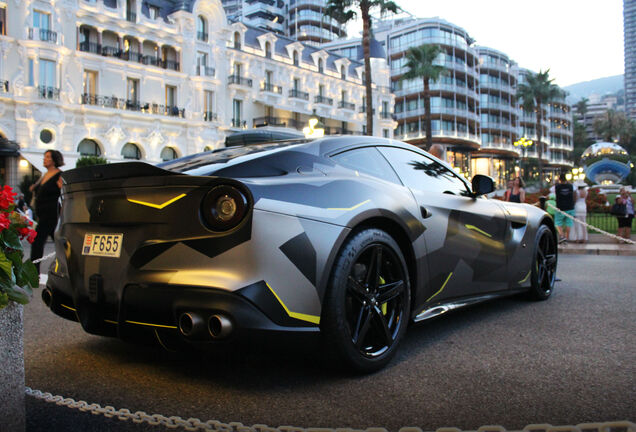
46, 136
385, 133
237, 40
208, 106
321, 90
202, 62
90, 86
321, 67
343, 96
343, 75
385, 108
237, 69
268, 50
47, 74
3, 21
41, 20
171, 96
202, 29
296, 84
131, 151
236, 112
168, 153
153, 12
295, 57
88, 147
132, 92
31, 72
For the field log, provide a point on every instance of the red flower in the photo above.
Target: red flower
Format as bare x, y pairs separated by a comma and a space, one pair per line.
5, 222
31, 236
6, 197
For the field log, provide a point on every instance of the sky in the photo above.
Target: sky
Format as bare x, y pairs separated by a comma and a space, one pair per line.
578, 40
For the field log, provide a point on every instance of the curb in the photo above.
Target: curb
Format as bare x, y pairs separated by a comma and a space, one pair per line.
598, 249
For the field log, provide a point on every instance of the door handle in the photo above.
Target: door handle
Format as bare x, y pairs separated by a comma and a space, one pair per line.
425, 213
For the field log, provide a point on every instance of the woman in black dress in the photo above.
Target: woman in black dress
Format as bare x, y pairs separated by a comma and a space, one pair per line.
47, 193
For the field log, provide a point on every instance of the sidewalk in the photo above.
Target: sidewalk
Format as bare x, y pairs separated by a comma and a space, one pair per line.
599, 244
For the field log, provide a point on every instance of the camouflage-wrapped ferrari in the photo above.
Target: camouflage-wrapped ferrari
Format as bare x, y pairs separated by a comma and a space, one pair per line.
354, 237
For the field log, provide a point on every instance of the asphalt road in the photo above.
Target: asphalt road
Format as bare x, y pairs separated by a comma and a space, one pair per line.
509, 362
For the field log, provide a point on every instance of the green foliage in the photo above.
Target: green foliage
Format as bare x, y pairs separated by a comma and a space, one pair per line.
90, 160
615, 126
420, 63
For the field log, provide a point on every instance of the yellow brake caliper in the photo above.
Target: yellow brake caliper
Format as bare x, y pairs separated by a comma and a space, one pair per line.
383, 307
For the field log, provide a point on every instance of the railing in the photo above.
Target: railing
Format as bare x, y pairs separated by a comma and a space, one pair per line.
170, 64
111, 51
91, 47
202, 36
4, 86
363, 109
206, 71
269, 87
323, 100
294, 93
49, 92
132, 105
132, 56
43, 34
131, 16
151, 60
269, 121
386, 115
235, 79
347, 105
239, 123
209, 116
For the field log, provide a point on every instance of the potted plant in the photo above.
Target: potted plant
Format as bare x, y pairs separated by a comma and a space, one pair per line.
17, 280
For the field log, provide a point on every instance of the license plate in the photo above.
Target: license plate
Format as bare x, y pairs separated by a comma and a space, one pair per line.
103, 245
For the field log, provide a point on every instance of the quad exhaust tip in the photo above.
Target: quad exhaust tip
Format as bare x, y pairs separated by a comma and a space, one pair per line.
219, 326
47, 297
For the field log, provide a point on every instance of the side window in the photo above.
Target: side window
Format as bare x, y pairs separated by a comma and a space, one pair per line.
369, 161
420, 172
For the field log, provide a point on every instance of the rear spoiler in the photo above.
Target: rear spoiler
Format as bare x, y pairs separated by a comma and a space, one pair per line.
113, 171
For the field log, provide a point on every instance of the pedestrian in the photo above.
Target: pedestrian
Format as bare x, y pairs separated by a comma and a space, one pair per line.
509, 185
437, 150
47, 193
619, 209
517, 193
629, 205
578, 234
564, 192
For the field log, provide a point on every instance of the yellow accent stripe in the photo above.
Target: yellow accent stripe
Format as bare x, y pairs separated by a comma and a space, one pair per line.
474, 228
68, 307
111, 322
525, 278
157, 206
443, 285
57, 265
303, 317
151, 325
350, 208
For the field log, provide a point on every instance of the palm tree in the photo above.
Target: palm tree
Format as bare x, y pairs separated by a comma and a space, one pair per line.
538, 89
615, 125
420, 64
344, 11
581, 107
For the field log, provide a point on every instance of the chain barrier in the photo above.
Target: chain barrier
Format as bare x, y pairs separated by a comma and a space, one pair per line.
194, 424
591, 226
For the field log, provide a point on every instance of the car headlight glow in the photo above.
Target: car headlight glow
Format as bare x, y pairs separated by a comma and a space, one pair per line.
223, 208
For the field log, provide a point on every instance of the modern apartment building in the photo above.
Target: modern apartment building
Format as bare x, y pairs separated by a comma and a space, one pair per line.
152, 81
475, 112
629, 28
304, 20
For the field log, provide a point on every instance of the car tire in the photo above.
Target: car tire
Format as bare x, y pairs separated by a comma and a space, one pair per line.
367, 304
544, 264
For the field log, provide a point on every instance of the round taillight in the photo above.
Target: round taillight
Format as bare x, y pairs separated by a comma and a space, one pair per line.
223, 208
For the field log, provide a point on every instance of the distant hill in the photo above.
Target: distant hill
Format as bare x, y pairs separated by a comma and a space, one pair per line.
599, 86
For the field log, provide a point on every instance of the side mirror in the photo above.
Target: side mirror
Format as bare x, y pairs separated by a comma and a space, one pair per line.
482, 185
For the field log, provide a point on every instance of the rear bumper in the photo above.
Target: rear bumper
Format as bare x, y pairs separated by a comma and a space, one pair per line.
144, 311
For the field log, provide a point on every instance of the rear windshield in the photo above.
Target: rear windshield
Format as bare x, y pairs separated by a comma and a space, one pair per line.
207, 162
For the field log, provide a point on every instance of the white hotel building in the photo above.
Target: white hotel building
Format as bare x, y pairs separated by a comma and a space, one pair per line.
158, 79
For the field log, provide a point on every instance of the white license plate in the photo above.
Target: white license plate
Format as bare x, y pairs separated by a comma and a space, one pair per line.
104, 245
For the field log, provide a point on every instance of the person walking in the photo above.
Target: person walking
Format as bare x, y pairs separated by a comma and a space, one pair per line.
578, 234
517, 193
629, 205
564, 192
47, 192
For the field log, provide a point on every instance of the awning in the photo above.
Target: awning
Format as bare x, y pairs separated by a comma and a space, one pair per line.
36, 158
8, 147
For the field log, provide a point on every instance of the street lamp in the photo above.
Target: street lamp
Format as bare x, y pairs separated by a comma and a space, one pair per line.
524, 143
315, 129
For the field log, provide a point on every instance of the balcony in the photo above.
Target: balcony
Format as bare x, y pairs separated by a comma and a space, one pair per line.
238, 123
170, 64
323, 100
131, 16
44, 35
151, 60
132, 105
269, 121
210, 116
103, 101
91, 47
49, 92
202, 36
272, 88
297, 94
235, 79
347, 105
206, 71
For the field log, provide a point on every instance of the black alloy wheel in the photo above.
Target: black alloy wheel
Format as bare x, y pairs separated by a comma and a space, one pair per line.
544, 265
367, 306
